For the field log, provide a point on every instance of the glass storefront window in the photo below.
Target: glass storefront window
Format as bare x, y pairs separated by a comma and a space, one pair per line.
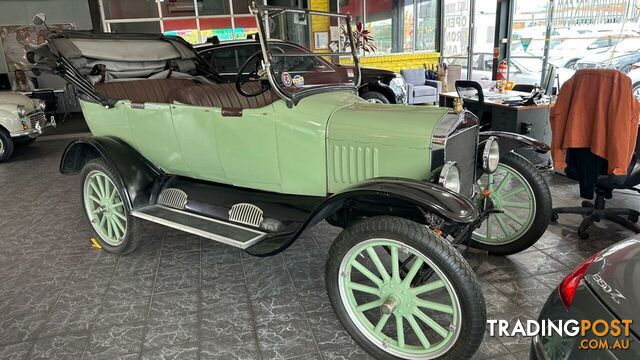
213, 7
245, 26
220, 27
147, 27
241, 6
353, 8
456, 28
177, 8
378, 18
427, 20
127, 9
185, 28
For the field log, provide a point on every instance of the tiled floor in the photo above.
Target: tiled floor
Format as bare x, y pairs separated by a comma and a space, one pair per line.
179, 297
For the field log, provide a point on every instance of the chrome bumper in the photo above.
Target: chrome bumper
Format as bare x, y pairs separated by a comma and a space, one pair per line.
36, 130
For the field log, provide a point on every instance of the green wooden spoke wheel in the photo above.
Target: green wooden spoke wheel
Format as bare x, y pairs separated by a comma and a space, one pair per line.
102, 196
522, 202
105, 208
396, 300
404, 293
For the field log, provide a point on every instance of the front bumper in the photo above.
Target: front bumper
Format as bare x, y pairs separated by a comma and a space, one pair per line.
36, 127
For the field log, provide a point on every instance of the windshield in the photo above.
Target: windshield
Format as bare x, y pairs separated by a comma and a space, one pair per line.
319, 62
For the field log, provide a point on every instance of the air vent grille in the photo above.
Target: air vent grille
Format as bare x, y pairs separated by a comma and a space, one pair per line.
247, 214
174, 198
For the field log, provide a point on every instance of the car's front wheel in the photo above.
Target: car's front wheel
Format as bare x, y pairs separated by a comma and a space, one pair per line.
374, 97
102, 196
521, 201
6, 145
404, 293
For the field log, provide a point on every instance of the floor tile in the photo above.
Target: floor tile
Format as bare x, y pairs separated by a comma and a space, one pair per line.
63, 347
171, 330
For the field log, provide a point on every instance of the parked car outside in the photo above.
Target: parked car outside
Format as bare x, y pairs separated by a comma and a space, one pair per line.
624, 54
606, 288
522, 70
377, 85
570, 51
634, 74
21, 121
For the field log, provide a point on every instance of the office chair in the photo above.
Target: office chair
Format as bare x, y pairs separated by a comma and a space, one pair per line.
472, 90
591, 171
524, 88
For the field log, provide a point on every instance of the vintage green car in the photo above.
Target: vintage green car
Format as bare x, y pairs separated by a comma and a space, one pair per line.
254, 163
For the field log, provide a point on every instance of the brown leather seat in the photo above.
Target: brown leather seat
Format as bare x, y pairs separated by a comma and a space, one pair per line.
224, 96
141, 91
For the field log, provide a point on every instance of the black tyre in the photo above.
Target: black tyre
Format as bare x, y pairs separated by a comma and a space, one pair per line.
102, 198
374, 97
6, 145
404, 293
523, 198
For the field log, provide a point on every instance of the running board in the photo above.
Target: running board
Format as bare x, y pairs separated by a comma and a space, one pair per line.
224, 232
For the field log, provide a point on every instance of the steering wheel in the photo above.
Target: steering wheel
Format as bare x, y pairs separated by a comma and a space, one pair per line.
256, 61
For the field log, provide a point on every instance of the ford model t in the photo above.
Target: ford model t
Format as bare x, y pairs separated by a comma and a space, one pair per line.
254, 163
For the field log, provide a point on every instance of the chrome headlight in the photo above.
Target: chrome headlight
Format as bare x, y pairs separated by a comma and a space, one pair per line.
490, 155
398, 85
42, 105
450, 176
21, 111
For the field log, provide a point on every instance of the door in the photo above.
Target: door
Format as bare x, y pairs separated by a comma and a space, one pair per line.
248, 149
152, 134
237, 150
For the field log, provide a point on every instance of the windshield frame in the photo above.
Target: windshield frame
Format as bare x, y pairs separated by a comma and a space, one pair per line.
263, 13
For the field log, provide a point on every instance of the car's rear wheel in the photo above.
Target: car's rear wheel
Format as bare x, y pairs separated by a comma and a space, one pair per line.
6, 145
102, 196
404, 293
522, 201
374, 97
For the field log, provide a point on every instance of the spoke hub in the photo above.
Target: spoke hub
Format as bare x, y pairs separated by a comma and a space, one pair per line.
390, 305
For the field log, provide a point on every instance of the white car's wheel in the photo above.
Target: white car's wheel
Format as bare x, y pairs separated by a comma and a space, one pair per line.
6, 145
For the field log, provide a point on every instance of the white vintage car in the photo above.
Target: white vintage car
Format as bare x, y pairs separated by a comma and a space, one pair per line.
21, 121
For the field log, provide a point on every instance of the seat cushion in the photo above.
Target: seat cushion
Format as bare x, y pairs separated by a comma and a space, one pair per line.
424, 90
224, 96
141, 91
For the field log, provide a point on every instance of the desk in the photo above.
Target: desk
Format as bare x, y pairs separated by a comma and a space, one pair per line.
530, 120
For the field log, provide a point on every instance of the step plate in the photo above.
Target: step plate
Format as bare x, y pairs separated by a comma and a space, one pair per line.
213, 229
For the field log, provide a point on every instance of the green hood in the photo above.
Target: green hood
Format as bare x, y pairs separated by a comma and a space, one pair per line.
367, 140
391, 125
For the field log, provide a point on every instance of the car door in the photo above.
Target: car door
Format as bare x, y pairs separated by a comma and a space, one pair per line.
238, 150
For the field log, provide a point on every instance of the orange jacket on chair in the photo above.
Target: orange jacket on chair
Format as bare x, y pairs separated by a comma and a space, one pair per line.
596, 109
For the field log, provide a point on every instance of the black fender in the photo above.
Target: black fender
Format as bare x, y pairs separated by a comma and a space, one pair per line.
408, 193
510, 141
382, 88
135, 174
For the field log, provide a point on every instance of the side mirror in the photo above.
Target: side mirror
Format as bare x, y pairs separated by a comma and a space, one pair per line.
39, 19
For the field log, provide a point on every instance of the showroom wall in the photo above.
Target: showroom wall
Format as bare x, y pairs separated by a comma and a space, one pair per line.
21, 12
